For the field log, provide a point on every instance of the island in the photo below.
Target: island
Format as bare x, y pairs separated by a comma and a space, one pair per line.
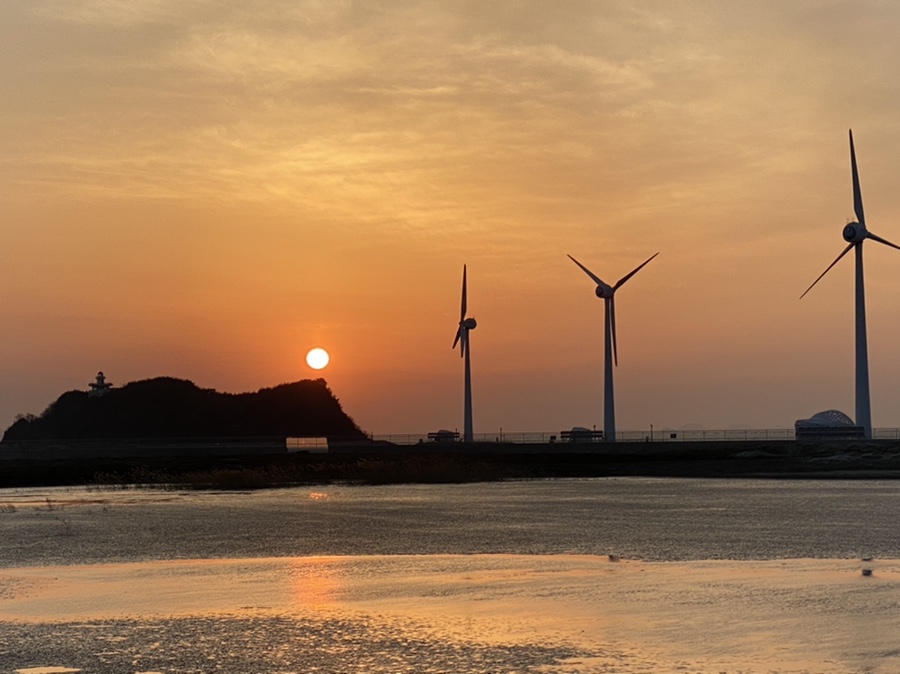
166, 407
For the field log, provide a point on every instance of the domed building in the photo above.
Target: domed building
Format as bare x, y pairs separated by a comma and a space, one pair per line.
828, 425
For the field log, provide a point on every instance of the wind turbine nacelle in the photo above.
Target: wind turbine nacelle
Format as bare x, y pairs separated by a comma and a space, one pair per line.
854, 232
469, 324
604, 292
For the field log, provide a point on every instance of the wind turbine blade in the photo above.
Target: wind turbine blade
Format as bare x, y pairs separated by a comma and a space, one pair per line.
587, 271
857, 193
612, 329
462, 311
880, 240
843, 253
628, 276
456, 339
464, 343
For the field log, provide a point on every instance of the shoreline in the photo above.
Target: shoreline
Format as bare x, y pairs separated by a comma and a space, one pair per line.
266, 465
624, 575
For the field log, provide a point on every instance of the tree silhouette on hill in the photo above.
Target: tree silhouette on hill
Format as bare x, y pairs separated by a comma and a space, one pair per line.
166, 407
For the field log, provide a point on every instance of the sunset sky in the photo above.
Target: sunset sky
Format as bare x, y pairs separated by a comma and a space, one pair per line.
206, 190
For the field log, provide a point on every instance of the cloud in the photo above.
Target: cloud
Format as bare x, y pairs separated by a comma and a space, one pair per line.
504, 134
111, 13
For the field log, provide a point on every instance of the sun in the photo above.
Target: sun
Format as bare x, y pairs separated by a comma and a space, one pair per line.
317, 358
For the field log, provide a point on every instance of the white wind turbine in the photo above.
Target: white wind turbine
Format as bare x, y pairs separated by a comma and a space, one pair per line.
855, 233
462, 337
608, 294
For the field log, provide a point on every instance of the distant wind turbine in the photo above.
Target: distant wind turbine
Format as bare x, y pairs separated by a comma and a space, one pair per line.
608, 294
462, 337
855, 233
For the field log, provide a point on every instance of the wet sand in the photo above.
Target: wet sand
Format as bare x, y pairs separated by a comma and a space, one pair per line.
710, 577
452, 613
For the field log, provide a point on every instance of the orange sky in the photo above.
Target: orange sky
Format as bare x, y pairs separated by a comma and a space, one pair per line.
207, 189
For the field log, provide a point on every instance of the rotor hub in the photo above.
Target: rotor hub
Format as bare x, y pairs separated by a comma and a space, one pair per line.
854, 232
604, 292
469, 324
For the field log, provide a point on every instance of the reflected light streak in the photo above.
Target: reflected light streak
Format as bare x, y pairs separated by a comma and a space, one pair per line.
315, 583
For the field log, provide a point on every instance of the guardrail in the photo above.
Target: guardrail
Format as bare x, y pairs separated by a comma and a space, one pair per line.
656, 435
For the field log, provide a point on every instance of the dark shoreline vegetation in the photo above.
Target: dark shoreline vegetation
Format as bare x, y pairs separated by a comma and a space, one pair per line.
431, 464
166, 407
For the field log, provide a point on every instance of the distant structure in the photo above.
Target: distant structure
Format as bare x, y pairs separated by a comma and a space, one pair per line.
462, 337
581, 434
100, 387
828, 425
855, 233
444, 435
608, 294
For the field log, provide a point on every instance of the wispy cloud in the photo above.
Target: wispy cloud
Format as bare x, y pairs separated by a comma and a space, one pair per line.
503, 133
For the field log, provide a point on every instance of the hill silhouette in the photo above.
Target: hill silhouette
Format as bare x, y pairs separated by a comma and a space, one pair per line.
166, 407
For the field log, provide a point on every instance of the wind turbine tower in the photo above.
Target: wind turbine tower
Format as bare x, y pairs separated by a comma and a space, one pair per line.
610, 356
854, 234
462, 337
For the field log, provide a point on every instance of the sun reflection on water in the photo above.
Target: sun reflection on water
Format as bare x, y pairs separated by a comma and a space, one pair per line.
315, 582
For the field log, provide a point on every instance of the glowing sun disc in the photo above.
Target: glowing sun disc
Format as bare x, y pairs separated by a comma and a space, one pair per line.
317, 358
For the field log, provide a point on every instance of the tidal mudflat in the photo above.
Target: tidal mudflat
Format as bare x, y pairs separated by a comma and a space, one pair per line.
547, 576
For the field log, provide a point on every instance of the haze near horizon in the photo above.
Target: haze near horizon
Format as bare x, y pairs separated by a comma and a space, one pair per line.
208, 190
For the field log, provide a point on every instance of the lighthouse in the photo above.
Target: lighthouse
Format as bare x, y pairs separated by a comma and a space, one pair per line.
100, 387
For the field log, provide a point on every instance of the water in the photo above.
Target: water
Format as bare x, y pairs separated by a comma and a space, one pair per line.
601, 575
